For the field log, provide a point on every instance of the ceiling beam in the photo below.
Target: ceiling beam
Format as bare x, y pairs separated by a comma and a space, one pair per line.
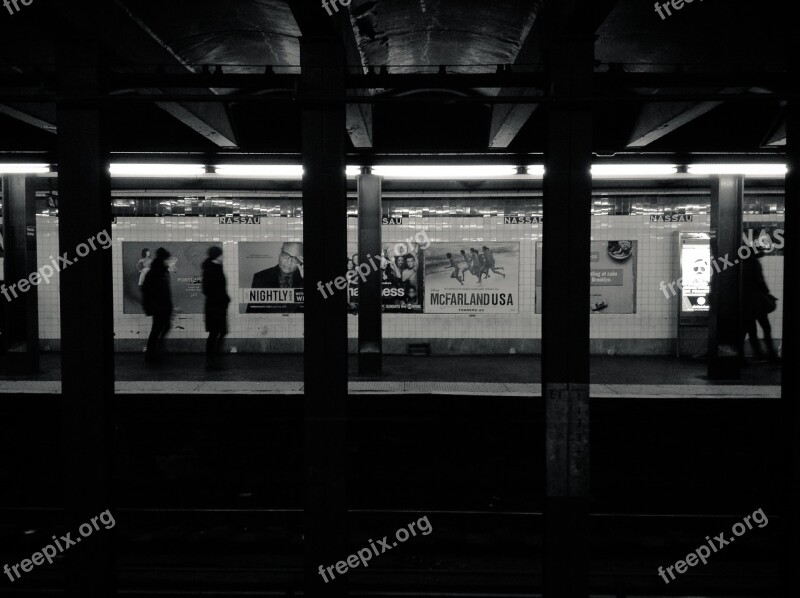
776, 134
657, 120
132, 40
313, 21
41, 116
779, 137
549, 18
508, 119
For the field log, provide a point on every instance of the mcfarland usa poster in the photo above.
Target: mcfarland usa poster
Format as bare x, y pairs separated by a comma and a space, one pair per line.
271, 277
472, 278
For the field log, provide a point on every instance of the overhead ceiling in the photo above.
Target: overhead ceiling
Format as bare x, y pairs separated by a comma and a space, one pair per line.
407, 36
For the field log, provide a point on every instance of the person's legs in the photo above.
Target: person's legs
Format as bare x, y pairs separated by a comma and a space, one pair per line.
763, 319
152, 341
211, 344
752, 331
165, 322
157, 333
219, 344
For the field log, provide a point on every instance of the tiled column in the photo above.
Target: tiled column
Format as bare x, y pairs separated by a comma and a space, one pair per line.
19, 295
565, 319
370, 330
325, 245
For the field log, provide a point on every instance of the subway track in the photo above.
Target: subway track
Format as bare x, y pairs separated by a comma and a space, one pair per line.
210, 494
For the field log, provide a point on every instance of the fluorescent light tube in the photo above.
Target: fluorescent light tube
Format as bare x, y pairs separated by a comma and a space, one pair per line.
157, 170
24, 168
613, 171
486, 171
267, 171
753, 170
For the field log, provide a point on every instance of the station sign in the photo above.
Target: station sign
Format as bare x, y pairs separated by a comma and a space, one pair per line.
671, 218
522, 219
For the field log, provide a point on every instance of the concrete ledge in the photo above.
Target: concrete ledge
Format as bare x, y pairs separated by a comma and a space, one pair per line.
533, 390
399, 346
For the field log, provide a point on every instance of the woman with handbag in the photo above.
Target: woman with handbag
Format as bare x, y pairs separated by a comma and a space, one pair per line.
757, 303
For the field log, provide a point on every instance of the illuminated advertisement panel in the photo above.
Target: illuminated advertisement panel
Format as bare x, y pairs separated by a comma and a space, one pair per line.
695, 272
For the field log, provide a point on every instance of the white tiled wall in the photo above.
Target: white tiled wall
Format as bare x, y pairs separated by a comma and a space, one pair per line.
654, 318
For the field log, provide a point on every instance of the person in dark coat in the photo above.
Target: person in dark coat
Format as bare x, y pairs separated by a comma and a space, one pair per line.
157, 302
754, 307
217, 300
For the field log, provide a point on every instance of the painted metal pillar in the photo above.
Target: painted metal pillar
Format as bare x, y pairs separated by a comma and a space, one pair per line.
325, 243
790, 380
725, 322
565, 318
19, 295
87, 321
370, 330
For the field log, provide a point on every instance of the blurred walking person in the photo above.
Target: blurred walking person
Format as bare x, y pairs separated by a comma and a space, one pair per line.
757, 303
217, 301
157, 302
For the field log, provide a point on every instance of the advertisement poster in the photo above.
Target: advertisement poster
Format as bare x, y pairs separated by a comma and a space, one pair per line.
769, 237
696, 276
185, 274
612, 277
402, 276
270, 277
472, 278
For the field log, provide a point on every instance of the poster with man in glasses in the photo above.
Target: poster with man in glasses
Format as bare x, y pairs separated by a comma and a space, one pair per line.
271, 277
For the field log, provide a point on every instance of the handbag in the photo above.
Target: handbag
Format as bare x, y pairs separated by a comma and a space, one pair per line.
770, 303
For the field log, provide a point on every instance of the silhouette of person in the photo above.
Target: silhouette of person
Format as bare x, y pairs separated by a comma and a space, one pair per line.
217, 300
754, 307
157, 302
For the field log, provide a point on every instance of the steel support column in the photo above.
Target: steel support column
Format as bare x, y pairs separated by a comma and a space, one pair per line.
370, 330
790, 381
565, 319
87, 321
725, 322
19, 295
325, 244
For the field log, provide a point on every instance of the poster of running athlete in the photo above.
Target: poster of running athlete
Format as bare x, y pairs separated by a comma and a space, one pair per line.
185, 274
472, 278
401, 266
612, 277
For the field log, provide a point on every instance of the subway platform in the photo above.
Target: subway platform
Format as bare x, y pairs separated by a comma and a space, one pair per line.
512, 375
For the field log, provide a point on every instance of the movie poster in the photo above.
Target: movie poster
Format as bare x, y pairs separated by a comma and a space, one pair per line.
401, 266
612, 277
270, 277
185, 274
472, 278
